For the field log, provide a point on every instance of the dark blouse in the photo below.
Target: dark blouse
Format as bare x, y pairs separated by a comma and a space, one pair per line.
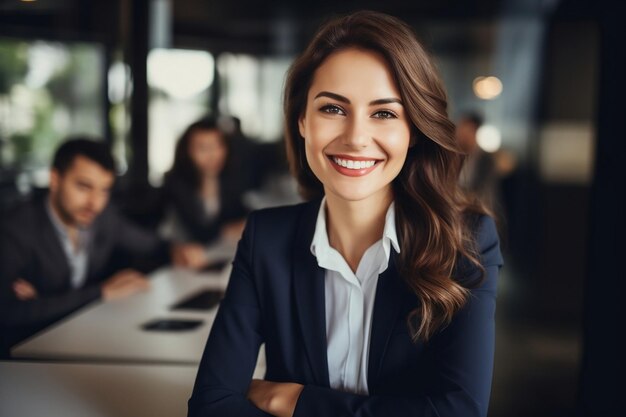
180, 197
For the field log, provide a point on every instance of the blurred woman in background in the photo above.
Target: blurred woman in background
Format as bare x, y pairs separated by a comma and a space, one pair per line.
202, 193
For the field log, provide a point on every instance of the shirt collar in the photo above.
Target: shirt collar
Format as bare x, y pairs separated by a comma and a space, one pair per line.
320, 245
389, 232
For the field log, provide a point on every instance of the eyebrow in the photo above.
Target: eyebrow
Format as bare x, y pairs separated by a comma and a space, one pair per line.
345, 99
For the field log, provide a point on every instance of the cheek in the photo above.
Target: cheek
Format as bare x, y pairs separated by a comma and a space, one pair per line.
400, 149
398, 164
103, 200
311, 153
396, 143
82, 197
73, 198
320, 131
199, 158
219, 155
314, 159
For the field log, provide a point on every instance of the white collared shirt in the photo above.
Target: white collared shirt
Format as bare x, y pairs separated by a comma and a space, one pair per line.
77, 256
350, 302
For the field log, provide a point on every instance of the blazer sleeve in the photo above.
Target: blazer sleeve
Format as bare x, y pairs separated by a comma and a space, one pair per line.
231, 351
134, 240
14, 256
463, 360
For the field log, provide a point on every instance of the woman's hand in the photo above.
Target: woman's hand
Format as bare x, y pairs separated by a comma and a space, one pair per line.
231, 232
276, 398
189, 255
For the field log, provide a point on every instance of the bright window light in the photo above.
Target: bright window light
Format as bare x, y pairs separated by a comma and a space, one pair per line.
119, 82
180, 73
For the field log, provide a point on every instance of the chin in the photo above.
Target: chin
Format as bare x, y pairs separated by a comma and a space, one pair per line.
356, 194
83, 223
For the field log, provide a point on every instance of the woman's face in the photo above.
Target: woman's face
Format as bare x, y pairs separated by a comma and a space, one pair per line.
207, 151
355, 129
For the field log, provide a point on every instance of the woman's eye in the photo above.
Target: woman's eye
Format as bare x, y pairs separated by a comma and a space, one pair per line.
384, 114
332, 109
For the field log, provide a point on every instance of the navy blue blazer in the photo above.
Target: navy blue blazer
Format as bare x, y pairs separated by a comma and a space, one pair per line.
276, 296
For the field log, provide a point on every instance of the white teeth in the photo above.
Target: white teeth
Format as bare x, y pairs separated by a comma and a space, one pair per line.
352, 164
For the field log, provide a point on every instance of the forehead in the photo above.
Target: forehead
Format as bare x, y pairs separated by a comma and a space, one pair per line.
355, 72
88, 170
205, 136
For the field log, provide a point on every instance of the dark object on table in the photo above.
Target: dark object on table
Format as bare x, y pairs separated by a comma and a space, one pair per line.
216, 266
170, 325
204, 300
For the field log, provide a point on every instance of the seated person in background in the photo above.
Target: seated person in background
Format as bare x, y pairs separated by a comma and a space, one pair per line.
58, 253
478, 173
482, 171
202, 193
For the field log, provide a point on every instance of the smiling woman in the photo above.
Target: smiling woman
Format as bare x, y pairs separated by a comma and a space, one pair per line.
376, 297
356, 139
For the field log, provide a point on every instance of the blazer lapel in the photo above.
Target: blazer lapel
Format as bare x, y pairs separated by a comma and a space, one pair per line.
389, 298
309, 291
53, 243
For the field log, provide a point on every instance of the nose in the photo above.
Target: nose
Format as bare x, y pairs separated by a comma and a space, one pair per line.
357, 135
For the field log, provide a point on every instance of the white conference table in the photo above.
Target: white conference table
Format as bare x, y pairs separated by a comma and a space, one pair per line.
111, 331
94, 390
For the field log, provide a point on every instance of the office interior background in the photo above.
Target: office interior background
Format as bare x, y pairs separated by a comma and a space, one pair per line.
546, 75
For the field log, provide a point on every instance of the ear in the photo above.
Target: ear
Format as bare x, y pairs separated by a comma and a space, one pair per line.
301, 126
54, 180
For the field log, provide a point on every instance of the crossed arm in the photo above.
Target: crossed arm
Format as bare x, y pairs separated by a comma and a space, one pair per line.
462, 369
22, 303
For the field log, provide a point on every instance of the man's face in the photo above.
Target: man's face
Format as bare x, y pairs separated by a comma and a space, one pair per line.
80, 193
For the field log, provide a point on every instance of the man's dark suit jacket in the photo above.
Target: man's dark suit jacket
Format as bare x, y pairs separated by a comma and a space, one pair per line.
30, 249
276, 296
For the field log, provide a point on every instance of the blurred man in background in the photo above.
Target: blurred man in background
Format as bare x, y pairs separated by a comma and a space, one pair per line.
62, 251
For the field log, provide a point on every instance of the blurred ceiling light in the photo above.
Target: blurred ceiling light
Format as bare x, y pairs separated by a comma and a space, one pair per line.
488, 138
28, 1
487, 88
180, 73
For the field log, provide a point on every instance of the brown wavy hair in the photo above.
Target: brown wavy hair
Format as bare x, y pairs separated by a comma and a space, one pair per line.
432, 212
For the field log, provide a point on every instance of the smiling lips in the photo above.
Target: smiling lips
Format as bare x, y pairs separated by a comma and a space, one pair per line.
352, 166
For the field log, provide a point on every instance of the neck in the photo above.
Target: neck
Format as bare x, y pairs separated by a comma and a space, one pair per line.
210, 176
209, 186
354, 226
